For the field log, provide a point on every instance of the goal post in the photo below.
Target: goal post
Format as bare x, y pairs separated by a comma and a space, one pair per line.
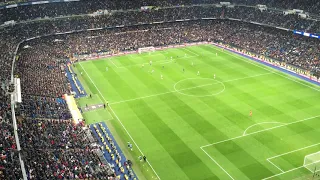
146, 49
312, 162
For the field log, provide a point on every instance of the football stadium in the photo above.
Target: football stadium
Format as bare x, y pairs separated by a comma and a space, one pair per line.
160, 90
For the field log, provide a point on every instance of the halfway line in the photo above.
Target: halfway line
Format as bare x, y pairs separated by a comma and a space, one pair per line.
153, 95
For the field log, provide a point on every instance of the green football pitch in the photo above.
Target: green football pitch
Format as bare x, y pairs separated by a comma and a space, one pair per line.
189, 114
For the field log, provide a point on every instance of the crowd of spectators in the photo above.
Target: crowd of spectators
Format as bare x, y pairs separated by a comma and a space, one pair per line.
9, 159
311, 6
315, 28
280, 45
112, 18
44, 107
54, 148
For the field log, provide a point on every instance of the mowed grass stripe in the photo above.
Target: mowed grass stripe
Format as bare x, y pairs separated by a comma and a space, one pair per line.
230, 60
185, 157
217, 66
177, 149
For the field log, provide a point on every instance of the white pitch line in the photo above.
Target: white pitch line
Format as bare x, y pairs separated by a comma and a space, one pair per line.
153, 95
158, 62
275, 165
119, 121
183, 89
146, 56
244, 133
95, 110
313, 153
293, 151
284, 172
112, 63
191, 52
263, 74
261, 66
217, 164
108, 120
294, 122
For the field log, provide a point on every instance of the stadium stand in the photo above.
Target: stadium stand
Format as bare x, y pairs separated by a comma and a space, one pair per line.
111, 150
55, 149
44, 125
9, 161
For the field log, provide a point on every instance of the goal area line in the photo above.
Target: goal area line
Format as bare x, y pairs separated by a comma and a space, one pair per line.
289, 152
293, 169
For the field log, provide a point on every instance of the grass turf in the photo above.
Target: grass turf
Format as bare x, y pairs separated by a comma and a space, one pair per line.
193, 126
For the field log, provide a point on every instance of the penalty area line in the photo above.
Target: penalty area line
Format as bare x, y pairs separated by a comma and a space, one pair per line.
217, 163
119, 121
275, 165
306, 147
244, 133
237, 137
289, 152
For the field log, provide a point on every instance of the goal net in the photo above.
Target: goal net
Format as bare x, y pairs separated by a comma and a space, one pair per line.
312, 162
146, 49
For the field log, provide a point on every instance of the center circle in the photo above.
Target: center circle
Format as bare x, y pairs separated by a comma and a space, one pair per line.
199, 87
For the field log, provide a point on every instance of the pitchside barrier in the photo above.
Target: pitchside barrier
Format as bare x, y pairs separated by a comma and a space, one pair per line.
146, 49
